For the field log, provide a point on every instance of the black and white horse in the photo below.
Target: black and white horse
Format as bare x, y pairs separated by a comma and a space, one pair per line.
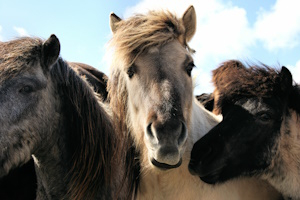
260, 131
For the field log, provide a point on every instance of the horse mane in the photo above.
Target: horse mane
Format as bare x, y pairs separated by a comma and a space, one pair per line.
15, 53
143, 31
234, 80
117, 96
89, 128
295, 99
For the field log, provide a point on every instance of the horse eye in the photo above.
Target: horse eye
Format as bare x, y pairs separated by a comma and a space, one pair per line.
131, 71
265, 117
189, 68
26, 89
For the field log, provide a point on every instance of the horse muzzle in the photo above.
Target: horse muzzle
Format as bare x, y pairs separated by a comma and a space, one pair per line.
166, 142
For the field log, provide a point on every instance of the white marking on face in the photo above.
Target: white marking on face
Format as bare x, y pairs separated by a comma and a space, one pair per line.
254, 105
166, 95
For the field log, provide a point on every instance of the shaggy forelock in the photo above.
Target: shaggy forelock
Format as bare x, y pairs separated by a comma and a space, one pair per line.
233, 79
140, 32
16, 55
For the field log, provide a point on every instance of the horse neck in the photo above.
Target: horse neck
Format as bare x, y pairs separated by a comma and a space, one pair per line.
201, 121
284, 172
51, 166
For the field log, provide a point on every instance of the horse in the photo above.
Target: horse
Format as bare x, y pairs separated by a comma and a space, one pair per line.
51, 114
207, 100
150, 91
96, 78
259, 133
21, 183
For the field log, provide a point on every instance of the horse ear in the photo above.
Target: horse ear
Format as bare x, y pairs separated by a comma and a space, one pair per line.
113, 19
286, 79
50, 51
189, 21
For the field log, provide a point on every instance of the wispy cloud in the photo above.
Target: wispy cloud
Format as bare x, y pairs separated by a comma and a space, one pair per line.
279, 27
21, 31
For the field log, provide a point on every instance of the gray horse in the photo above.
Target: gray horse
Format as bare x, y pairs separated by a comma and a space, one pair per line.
48, 112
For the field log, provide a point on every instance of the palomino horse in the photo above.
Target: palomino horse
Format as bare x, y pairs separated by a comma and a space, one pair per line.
259, 134
151, 95
49, 112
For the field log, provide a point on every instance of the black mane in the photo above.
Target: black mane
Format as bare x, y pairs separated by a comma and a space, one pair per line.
294, 99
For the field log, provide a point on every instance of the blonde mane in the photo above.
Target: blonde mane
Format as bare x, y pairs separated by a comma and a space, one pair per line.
143, 31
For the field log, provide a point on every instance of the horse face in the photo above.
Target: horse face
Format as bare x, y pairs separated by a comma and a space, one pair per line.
24, 105
160, 98
241, 144
26, 109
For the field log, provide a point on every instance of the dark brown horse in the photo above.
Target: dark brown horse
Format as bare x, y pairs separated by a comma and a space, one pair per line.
49, 112
260, 130
96, 78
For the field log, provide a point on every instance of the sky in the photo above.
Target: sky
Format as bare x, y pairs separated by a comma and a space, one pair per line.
252, 31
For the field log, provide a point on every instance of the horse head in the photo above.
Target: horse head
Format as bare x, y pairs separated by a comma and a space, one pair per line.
253, 102
151, 77
24, 90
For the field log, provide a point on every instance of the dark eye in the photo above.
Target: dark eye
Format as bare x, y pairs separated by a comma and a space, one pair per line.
131, 71
265, 117
26, 89
189, 68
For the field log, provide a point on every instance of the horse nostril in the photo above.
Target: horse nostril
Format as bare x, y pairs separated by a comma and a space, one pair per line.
207, 152
201, 154
206, 155
183, 134
149, 131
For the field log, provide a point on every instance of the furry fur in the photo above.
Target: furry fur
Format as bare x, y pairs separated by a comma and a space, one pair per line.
150, 86
61, 123
259, 133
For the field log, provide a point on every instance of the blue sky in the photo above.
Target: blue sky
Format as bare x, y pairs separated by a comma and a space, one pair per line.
266, 31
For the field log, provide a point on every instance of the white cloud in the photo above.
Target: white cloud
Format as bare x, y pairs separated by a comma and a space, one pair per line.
202, 81
21, 31
222, 29
295, 70
279, 27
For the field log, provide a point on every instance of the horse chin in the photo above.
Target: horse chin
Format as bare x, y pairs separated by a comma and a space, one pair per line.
210, 178
164, 166
209, 174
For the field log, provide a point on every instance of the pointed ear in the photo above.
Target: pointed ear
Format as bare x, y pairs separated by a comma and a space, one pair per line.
113, 20
189, 21
286, 80
50, 51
